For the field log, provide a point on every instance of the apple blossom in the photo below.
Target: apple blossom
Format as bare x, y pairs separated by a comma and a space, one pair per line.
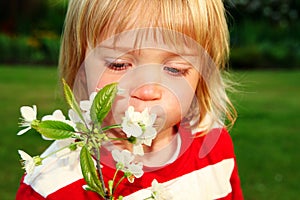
28, 116
125, 163
159, 192
140, 126
29, 162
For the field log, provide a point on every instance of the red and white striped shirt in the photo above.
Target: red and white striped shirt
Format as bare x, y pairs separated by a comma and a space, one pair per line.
205, 169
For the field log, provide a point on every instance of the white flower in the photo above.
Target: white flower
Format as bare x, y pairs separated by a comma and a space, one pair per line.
159, 192
28, 116
85, 107
140, 126
29, 162
125, 163
73, 116
138, 148
57, 116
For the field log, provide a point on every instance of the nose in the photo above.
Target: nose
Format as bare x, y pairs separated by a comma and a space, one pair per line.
147, 92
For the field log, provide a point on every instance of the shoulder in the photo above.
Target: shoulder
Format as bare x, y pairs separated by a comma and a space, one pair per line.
216, 142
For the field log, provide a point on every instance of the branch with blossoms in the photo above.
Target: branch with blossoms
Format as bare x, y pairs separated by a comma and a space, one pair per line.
84, 127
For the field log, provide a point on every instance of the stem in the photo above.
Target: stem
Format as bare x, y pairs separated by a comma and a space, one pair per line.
100, 172
115, 175
117, 138
111, 127
121, 179
149, 198
54, 152
113, 180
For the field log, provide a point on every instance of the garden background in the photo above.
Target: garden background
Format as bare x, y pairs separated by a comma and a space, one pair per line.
265, 62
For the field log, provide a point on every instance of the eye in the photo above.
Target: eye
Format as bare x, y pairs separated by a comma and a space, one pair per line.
118, 65
176, 71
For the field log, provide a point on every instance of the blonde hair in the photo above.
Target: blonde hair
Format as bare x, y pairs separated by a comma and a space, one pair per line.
88, 21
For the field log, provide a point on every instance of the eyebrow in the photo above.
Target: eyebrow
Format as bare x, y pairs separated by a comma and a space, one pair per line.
125, 50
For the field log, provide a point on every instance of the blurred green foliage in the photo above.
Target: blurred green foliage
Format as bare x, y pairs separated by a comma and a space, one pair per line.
264, 34
30, 31
19, 17
42, 47
281, 12
259, 44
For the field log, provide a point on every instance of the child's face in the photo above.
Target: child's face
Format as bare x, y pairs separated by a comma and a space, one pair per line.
154, 76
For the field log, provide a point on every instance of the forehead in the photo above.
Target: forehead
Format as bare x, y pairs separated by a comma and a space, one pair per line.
153, 38
134, 14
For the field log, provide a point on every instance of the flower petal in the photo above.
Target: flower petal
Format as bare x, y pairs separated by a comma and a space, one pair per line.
131, 129
24, 155
147, 142
138, 149
21, 132
116, 154
28, 161
85, 105
160, 192
57, 115
29, 167
28, 113
124, 156
127, 157
74, 116
136, 169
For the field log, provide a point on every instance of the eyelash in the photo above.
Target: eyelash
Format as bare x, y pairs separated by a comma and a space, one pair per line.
176, 71
122, 66
118, 66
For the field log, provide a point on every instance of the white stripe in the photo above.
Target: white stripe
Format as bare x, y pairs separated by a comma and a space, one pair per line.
208, 183
211, 182
56, 172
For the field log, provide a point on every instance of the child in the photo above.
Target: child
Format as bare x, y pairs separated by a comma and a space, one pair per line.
166, 55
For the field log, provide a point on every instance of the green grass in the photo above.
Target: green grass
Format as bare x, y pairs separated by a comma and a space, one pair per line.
20, 86
266, 135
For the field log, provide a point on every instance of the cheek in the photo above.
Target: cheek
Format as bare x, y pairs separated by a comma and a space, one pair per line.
178, 103
106, 79
178, 99
119, 107
180, 94
172, 109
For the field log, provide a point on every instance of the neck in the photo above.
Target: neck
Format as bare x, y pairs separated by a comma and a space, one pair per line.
162, 149
162, 141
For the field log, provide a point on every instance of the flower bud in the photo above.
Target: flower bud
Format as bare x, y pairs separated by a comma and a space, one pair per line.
132, 139
37, 160
73, 146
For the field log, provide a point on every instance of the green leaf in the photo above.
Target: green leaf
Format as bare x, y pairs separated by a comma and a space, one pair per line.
89, 171
103, 102
55, 129
81, 127
71, 100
